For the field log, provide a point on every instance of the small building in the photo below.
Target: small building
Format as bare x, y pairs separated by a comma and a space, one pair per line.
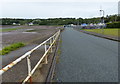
14, 23
30, 24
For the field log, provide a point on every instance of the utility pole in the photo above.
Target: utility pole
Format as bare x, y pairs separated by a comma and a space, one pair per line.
115, 18
103, 15
77, 19
102, 18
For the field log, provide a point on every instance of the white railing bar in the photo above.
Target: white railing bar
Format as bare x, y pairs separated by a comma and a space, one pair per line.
51, 43
13, 63
27, 78
42, 43
23, 56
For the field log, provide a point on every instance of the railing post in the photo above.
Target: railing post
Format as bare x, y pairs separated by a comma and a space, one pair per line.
46, 61
45, 47
29, 67
50, 44
53, 40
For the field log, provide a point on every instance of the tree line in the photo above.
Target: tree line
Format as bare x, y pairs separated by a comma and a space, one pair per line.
58, 21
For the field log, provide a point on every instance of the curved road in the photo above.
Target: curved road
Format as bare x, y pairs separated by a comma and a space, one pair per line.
86, 58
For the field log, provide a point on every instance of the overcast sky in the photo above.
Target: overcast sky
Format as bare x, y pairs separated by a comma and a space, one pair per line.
57, 8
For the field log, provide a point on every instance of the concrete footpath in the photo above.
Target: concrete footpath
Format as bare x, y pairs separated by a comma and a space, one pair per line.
86, 58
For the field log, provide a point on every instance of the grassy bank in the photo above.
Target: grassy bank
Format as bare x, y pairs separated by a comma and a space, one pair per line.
11, 47
110, 32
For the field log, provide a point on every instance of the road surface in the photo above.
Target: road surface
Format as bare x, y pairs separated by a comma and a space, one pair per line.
86, 58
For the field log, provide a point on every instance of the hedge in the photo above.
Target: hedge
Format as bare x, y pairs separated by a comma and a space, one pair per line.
113, 25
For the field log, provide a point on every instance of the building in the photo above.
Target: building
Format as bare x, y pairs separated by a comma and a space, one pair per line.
30, 24
14, 23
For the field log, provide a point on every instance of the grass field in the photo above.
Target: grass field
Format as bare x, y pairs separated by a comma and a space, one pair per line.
6, 30
110, 32
11, 47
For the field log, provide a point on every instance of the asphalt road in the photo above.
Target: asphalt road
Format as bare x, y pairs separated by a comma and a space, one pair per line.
86, 58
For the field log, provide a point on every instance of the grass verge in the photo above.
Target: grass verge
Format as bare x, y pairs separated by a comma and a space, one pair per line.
58, 51
110, 32
11, 47
6, 30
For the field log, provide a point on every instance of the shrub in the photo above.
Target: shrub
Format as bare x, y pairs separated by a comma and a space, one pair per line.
113, 25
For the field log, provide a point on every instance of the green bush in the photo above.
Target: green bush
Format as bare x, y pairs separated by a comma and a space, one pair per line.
10, 48
113, 25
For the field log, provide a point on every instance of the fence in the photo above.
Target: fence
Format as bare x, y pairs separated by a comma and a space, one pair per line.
27, 55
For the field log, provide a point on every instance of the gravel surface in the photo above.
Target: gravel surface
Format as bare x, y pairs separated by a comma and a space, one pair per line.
86, 58
21, 35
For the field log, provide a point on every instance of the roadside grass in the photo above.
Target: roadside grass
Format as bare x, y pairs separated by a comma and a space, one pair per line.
6, 30
110, 32
58, 52
11, 47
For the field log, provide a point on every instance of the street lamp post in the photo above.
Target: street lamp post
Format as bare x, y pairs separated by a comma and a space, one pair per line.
77, 22
102, 19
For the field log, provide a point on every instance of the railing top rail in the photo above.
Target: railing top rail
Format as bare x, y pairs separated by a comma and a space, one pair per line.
39, 62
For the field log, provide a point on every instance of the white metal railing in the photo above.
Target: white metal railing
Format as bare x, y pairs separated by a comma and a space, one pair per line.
27, 55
